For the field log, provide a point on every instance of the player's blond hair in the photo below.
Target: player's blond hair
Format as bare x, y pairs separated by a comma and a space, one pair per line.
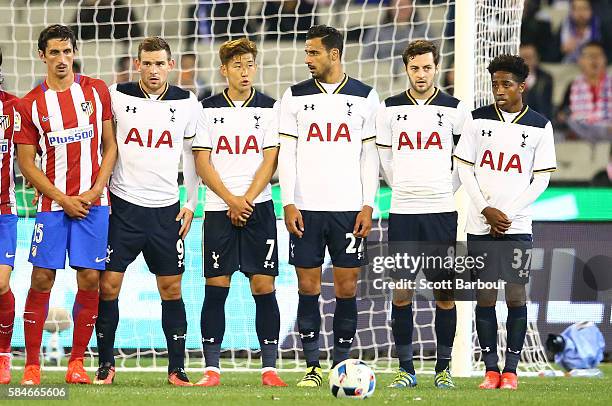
232, 48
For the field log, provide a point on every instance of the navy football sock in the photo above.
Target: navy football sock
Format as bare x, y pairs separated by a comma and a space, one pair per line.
212, 323
486, 327
446, 323
309, 325
106, 327
345, 326
402, 326
174, 324
516, 325
267, 325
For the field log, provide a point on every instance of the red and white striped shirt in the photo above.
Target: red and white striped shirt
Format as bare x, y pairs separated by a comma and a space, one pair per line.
7, 126
66, 127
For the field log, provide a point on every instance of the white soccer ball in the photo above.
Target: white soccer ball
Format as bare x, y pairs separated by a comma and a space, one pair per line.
352, 379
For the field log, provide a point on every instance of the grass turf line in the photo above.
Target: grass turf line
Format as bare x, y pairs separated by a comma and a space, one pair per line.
145, 388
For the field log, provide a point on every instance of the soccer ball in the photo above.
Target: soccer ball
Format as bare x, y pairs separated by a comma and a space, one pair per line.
352, 379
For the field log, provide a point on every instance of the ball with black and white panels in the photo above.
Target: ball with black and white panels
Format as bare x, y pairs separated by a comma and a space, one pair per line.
352, 379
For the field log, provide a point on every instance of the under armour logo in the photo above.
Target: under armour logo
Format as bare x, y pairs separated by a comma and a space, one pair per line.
342, 340
349, 105
172, 111
399, 116
215, 258
266, 341
218, 120
291, 246
513, 352
524, 273
128, 109
440, 115
100, 335
256, 121
523, 144
309, 335
359, 255
488, 133
486, 349
308, 107
180, 263
208, 340
176, 337
269, 264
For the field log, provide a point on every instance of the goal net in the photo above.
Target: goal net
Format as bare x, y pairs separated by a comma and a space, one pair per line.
376, 33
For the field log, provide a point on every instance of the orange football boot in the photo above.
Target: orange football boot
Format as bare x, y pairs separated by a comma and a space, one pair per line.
491, 381
509, 380
271, 378
31, 375
5, 369
210, 378
76, 372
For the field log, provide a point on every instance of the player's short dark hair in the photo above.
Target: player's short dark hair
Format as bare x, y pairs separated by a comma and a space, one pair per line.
56, 31
236, 47
330, 37
510, 63
152, 44
420, 47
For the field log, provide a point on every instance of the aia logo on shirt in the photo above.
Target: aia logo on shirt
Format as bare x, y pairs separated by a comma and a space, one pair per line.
239, 146
501, 162
331, 134
419, 141
152, 140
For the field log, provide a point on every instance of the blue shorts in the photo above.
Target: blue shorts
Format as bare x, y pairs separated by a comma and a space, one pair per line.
8, 239
85, 240
331, 229
507, 258
251, 249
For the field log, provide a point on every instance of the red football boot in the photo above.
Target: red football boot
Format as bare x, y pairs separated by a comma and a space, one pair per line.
271, 378
491, 381
509, 380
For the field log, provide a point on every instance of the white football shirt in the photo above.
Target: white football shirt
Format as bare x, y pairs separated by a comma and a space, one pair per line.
505, 156
150, 136
236, 138
420, 136
328, 131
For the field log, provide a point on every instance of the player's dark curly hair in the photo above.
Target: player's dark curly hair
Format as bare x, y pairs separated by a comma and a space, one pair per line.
510, 63
56, 31
330, 37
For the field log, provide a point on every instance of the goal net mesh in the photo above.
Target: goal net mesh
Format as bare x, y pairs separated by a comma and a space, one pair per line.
376, 33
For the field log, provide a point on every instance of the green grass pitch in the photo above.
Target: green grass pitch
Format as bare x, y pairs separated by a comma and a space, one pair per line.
243, 388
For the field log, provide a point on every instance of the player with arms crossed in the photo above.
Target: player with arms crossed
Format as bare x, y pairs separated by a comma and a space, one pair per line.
329, 176
506, 154
156, 123
67, 121
8, 228
236, 153
415, 132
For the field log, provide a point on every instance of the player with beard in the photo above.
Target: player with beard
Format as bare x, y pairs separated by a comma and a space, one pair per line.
328, 169
416, 132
